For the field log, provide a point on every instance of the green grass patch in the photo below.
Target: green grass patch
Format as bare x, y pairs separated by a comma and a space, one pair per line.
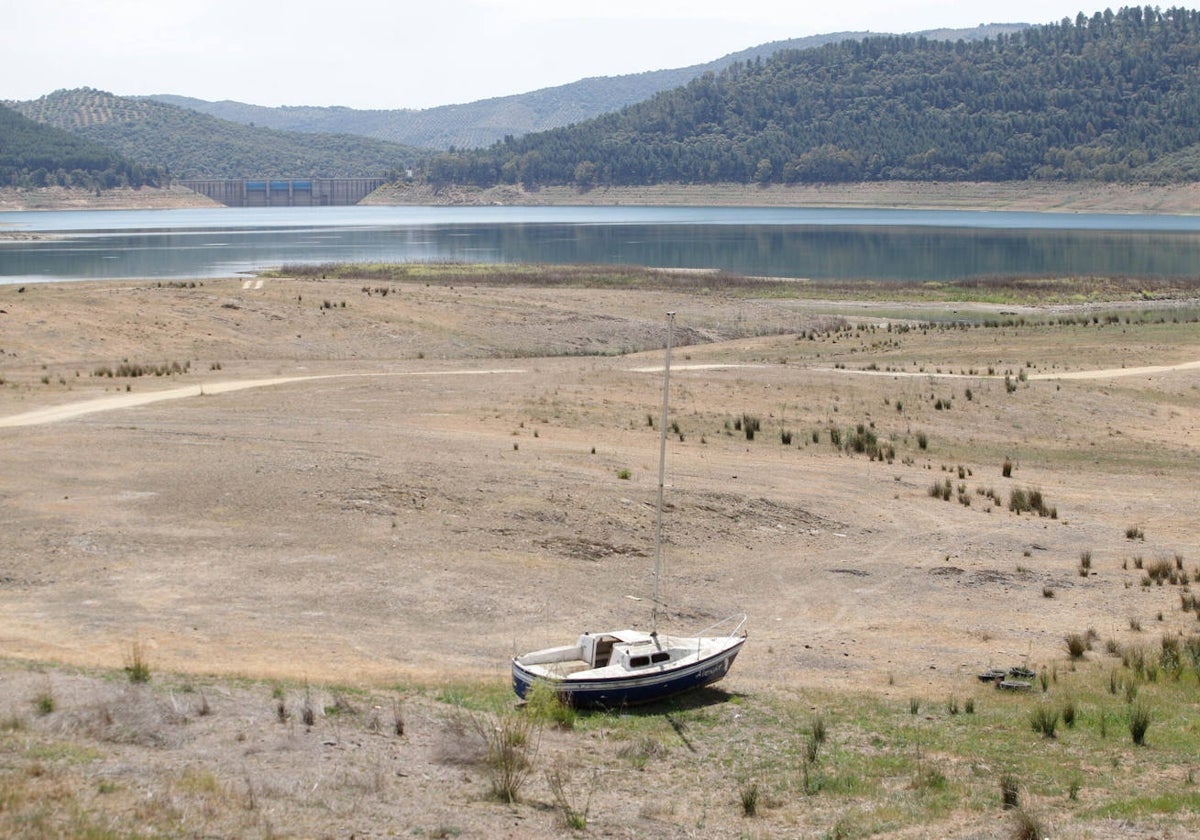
1134, 807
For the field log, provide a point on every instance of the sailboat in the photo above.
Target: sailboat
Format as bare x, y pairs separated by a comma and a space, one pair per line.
617, 668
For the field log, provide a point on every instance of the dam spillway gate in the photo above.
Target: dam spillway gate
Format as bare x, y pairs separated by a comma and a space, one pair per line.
282, 192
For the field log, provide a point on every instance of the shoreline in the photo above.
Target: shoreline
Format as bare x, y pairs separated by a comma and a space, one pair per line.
1023, 196
1027, 196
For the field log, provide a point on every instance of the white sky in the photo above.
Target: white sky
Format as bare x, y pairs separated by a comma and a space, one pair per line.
420, 53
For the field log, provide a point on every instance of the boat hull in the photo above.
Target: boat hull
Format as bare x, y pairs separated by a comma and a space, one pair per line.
633, 689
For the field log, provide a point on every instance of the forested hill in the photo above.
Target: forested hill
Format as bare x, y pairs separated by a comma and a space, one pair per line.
1114, 96
193, 145
35, 155
482, 123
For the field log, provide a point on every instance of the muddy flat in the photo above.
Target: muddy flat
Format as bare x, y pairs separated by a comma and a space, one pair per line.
315, 483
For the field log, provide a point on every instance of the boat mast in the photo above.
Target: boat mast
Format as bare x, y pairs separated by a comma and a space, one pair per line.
662, 461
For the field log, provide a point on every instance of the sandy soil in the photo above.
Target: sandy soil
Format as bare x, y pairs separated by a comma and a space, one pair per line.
1034, 196
403, 490
62, 198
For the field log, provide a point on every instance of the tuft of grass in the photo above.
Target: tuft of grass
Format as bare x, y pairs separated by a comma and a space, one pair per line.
750, 796
137, 667
1009, 792
44, 702
816, 737
1139, 722
1027, 827
1030, 500
1076, 645
1044, 720
561, 781
397, 719
638, 753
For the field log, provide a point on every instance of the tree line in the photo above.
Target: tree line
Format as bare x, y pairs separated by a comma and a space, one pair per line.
1114, 97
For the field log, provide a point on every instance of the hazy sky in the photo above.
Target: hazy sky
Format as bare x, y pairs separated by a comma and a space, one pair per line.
420, 53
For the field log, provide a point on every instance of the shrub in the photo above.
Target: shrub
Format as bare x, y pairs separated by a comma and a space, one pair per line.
1076, 645
1006, 468
547, 706
511, 743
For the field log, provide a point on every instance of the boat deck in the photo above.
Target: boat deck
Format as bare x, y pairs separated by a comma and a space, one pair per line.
562, 669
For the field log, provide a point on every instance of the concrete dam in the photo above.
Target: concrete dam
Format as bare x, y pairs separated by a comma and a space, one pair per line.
299, 192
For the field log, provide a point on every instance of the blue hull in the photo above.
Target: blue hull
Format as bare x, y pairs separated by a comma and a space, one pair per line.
626, 690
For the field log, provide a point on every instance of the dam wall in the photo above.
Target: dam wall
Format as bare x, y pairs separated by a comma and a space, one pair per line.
281, 192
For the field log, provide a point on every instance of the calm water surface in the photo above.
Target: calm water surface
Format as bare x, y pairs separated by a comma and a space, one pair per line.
842, 244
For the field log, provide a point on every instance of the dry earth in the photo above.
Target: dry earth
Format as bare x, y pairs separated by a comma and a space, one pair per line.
381, 497
1015, 195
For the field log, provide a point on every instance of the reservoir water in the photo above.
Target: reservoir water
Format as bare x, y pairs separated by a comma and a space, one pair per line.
839, 244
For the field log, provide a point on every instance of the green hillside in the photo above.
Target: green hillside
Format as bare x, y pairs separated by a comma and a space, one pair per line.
36, 155
193, 145
1112, 97
476, 124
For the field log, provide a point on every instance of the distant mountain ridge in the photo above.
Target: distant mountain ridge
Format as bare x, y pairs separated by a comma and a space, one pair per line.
1111, 97
487, 121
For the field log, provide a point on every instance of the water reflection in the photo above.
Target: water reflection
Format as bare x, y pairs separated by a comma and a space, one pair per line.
818, 251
